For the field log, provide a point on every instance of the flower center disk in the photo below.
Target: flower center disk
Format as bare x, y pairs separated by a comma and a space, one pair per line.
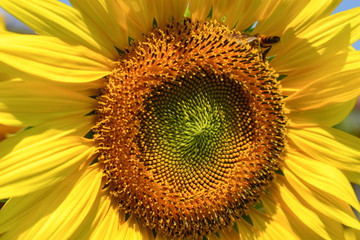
190, 128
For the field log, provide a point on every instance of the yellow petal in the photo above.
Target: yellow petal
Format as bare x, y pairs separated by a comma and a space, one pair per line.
283, 216
226, 234
241, 14
278, 15
49, 58
296, 207
2, 24
273, 224
24, 103
178, 7
41, 156
131, 229
131, 17
59, 20
341, 86
334, 23
136, 17
314, 10
98, 15
351, 234
103, 221
295, 52
322, 176
302, 77
108, 221
322, 39
200, 9
55, 212
353, 177
123, 19
246, 231
87, 89
324, 116
327, 204
329, 146
163, 11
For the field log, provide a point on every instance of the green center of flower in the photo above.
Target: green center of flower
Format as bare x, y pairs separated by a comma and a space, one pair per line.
193, 129
190, 128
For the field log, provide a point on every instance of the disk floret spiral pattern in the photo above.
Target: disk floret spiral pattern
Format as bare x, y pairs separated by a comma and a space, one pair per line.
190, 128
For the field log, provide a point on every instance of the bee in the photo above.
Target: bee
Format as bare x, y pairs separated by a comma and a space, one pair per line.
262, 42
266, 43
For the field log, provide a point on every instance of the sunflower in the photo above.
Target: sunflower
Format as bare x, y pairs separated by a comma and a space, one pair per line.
179, 120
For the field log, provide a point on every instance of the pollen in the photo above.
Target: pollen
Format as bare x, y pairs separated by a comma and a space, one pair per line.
190, 128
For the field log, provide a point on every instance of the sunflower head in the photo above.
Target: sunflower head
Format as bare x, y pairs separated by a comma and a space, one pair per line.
191, 127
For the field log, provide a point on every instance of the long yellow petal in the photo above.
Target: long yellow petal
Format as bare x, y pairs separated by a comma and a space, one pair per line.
324, 116
137, 17
109, 221
55, 212
131, 229
103, 221
239, 14
302, 77
200, 9
278, 15
246, 231
328, 145
96, 15
273, 224
57, 149
24, 103
327, 204
324, 177
226, 234
336, 22
281, 215
59, 20
323, 226
2, 24
351, 234
353, 177
298, 52
325, 38
163, 11
341, 86
87, 89
123, 19
134, 17
44, 57
315, 10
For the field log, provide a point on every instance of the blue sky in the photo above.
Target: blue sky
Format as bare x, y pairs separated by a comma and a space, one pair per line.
65, 1
344, 5
348, 4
